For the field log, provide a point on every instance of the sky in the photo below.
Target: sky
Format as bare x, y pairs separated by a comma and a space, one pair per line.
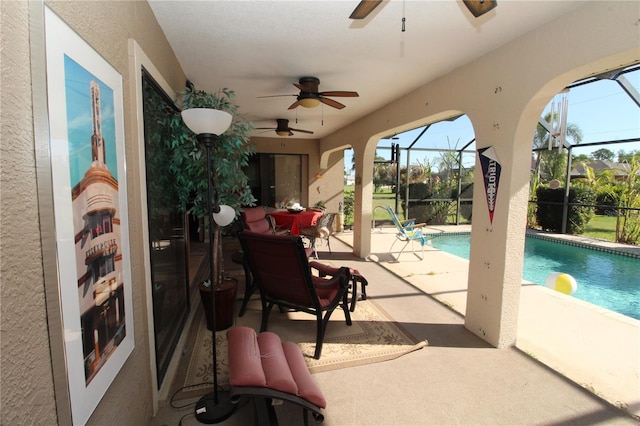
602, 110
80, 120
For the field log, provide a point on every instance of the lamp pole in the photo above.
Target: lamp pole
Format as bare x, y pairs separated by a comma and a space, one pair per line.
214, 407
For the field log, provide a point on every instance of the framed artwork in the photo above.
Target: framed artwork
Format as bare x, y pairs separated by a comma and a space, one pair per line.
86, 144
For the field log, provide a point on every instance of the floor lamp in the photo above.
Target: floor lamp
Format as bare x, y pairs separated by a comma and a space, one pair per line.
208, 124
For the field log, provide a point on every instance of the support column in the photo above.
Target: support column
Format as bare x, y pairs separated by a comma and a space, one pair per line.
497, 248
363, 199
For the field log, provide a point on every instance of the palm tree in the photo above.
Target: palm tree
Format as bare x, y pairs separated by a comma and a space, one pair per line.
552, 163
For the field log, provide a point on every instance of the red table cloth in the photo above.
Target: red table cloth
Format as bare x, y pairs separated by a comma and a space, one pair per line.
295, 221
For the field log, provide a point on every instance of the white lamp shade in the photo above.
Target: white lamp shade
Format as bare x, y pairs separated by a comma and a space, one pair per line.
206, 120
225, 216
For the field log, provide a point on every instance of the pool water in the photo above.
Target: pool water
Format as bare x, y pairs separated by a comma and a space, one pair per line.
605, 279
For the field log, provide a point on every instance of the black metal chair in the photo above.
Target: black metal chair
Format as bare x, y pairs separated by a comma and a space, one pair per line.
280, 267
322, 230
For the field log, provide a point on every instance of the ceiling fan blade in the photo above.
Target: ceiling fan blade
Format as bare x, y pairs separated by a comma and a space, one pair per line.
331, 103
301, 131
302, 88
480, 7
341, 93
364, 8
295, 105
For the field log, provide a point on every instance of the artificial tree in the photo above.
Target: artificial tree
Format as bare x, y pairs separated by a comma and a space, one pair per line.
230, 154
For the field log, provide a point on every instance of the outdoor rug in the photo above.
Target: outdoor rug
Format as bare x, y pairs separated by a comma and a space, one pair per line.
373, 337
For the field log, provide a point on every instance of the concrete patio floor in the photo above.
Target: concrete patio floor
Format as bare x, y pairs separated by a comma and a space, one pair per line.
595, 347
459, 378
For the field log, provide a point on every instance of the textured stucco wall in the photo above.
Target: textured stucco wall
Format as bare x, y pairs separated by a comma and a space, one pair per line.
27, 384
26, 388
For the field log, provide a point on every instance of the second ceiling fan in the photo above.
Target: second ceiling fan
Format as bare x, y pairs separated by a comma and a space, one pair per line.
283, 129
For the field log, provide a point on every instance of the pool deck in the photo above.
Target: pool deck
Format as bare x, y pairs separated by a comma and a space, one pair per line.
594, 347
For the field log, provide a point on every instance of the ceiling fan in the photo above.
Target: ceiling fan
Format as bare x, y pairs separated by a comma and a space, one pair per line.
283, 129
310, 97
476, 7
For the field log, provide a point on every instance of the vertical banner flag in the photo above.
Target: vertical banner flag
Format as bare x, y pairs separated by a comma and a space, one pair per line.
491, 172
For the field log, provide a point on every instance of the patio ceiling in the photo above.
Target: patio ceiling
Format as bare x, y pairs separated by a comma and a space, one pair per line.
260, 48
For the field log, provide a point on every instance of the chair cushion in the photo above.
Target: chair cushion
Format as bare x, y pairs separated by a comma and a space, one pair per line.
263, 360
245, 366
255, 220
253, 214
261, 226
274, 364
307, 387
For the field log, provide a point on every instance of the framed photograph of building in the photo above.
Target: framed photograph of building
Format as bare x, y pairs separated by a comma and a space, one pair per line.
86, 143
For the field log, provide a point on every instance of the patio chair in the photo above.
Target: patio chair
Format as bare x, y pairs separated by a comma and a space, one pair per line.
256, 219
356, 277
321, 230
409, 232
280, 267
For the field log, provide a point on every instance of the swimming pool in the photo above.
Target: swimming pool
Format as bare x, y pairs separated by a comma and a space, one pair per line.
606, 279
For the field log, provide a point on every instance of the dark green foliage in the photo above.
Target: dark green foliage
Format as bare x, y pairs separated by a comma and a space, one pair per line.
423, 208
349, 200
229, 155
466, 207
159, 134
607, 195
549, 213
550, 209
419, 191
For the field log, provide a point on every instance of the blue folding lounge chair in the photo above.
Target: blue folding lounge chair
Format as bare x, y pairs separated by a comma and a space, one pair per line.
409, 232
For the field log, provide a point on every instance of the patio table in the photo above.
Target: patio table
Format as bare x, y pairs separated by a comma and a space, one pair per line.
295, 221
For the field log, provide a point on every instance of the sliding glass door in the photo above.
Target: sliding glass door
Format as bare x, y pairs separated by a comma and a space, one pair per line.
168, 229
275, 178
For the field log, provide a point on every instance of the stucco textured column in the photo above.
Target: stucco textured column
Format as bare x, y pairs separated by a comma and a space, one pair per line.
362, 205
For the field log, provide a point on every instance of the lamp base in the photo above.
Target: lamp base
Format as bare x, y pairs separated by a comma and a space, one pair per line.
207, 411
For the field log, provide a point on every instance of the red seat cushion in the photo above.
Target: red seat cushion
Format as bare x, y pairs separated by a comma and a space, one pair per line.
255, 220
263, 360
307, 387
274, 364
245, 366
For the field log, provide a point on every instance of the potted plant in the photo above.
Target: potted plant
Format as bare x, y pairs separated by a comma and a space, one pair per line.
229, 154
320, 205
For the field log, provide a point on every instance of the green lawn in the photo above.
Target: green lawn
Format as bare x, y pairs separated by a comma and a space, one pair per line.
602, 227
382, 198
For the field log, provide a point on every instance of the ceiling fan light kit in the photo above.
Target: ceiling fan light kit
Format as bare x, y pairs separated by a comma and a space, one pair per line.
308, 102
480, 7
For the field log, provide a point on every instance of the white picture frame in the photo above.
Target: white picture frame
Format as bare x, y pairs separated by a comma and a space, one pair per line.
88, 177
